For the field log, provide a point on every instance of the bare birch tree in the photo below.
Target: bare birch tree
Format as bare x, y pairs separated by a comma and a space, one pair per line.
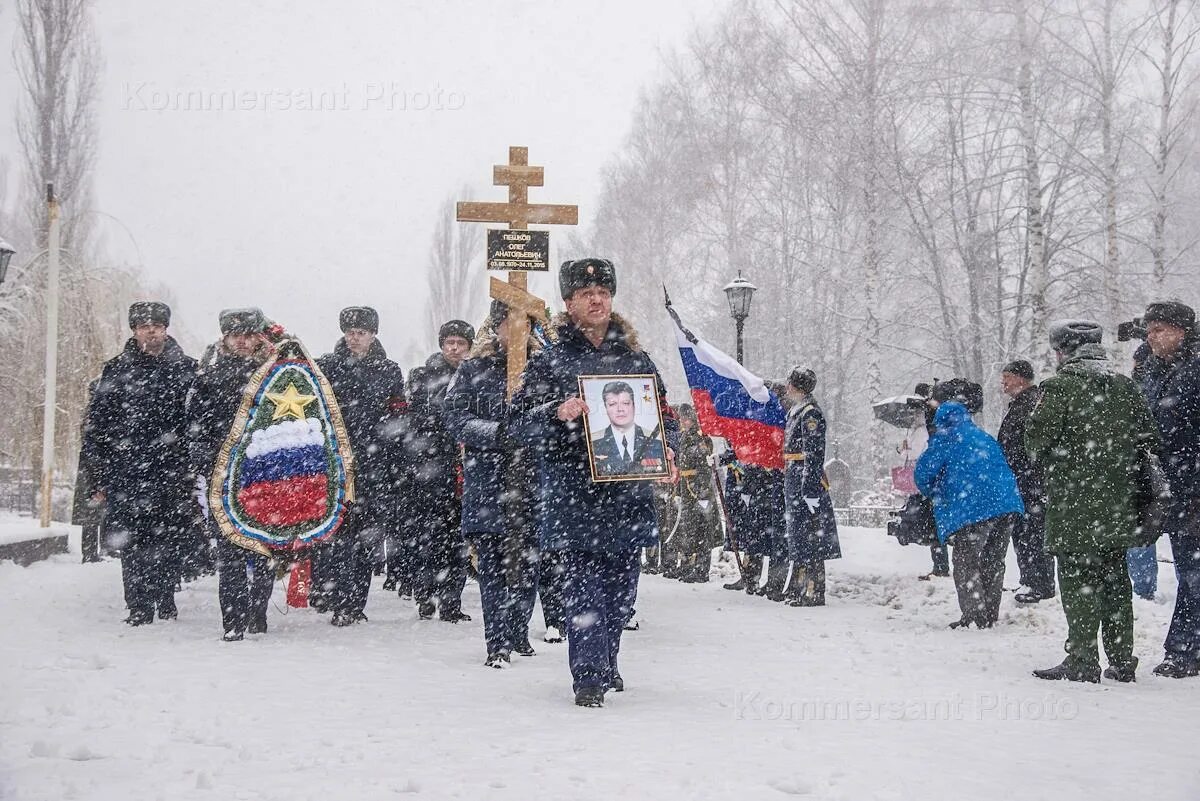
457, 274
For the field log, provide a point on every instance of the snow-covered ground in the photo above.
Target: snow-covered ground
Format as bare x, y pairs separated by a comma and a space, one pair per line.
15, 529
729, 697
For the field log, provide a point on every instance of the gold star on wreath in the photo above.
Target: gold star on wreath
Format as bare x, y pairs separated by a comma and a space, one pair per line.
289, 403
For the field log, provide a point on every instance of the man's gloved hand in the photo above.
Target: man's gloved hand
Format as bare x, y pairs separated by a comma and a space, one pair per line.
201, 495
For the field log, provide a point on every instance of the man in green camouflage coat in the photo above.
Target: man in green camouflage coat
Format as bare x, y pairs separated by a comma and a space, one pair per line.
1086, 431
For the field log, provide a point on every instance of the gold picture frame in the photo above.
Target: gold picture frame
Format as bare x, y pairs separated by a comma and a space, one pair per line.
609, 443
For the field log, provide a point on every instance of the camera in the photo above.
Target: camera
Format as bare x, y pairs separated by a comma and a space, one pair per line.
913, 524
1134, 329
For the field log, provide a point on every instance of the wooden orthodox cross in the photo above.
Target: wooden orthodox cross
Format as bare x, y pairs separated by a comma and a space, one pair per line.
519, 213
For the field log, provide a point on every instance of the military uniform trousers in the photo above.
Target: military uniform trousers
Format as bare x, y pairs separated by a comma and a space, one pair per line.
599, 596
507, 594
552, 575
149, 560
244, 583
1097, 596
1183, 638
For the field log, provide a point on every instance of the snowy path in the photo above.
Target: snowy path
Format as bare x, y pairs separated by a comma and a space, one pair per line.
729, 697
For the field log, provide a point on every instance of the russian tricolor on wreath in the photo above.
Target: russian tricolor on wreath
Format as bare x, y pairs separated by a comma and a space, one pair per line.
730, 401
285, 474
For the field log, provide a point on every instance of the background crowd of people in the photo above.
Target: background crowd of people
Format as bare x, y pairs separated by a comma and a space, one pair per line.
453, 475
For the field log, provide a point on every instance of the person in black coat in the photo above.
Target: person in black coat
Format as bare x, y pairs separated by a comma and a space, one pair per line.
244, 578
1029, 535
369, 388
433, 462
811, 526
496, 476
742, 536
1170, 380
766, 533
599, 526
133, 444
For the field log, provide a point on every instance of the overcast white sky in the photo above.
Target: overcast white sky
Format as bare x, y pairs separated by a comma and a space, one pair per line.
306, 211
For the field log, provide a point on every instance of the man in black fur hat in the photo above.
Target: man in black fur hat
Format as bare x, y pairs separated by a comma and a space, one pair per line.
133, 441
600, 527
369, 388
432, 457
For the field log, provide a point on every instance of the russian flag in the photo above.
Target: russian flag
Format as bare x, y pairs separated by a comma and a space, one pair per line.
730, 401
284, 475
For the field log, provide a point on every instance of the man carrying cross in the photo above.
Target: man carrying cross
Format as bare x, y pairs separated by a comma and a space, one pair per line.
599, 527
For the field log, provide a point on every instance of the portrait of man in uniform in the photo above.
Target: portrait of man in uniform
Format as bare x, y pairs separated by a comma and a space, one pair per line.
625, 437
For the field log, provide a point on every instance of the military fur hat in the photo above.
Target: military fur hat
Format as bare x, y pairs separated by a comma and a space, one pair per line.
1172, 312
148, 312
1020, 368
456, 328
582, 273
498, 313
1067, 335
363, 317
803, 379
249, 320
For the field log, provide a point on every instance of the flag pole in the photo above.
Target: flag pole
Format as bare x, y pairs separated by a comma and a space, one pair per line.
716, 469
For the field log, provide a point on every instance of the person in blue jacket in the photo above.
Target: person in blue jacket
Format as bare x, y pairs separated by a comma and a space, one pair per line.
600, 527
975, 506
811, 527
495, 470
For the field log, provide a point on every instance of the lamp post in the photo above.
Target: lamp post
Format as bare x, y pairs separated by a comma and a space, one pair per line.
6, 254
738, 292
51, 398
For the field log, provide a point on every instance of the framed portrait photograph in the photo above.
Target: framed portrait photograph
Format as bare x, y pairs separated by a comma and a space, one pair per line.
624, 426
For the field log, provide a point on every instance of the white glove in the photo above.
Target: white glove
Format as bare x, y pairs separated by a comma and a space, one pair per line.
703, 504
812, 504
201, 495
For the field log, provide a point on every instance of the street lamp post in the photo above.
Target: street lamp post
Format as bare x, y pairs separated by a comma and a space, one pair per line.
51, 397
738, 292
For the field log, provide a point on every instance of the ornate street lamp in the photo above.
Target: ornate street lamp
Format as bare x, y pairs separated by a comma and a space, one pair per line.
6, 254
739, 291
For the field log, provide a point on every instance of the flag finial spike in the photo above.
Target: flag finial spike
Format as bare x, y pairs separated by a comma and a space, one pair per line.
666, 296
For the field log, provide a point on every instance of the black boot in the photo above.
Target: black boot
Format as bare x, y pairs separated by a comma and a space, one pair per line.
425, 610
1070, 671
140, 618
1178, 666
498, 660
167, 609
740, 584
590, 696
776, 579
816, 577
752, 573
1126, 674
